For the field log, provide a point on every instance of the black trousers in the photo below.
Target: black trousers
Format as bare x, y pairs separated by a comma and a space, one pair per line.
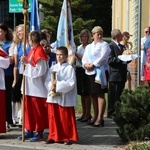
114, 93
8, 84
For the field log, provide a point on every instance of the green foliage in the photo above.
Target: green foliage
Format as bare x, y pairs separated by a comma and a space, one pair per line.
79, 25
52, 10
85, 14
138, 146
132, 115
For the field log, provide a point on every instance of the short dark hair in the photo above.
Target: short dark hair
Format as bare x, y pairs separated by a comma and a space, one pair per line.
43, 36
63, 49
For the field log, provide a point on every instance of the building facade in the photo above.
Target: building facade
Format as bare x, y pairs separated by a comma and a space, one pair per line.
125, 16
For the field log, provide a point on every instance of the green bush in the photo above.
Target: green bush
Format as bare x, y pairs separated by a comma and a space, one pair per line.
138, 146
132, 115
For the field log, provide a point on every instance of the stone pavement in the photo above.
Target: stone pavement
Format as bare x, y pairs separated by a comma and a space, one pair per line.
90, 138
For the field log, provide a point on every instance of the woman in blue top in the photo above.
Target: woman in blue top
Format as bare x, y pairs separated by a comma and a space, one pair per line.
6, 38
18, 48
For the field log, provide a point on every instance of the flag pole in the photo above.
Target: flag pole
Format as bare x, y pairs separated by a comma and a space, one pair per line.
67, 24
25, 12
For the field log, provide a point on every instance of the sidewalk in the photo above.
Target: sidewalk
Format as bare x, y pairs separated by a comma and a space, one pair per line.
90, 138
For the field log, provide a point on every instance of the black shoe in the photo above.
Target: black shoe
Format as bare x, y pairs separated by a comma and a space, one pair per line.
90, 122
86, 120
49, 141
100, 124
19, 125
13, 125
79, 119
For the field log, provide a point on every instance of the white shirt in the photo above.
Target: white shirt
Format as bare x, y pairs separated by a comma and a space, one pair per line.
100, 51
143, 40
35, 78
80, 50
4, 64
65, 86
13, 49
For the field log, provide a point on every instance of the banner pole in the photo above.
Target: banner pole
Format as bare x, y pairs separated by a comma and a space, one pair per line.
25, 12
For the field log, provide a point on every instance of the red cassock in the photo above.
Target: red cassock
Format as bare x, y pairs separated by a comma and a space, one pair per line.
2, 103
62, 123
2, 112
36, 118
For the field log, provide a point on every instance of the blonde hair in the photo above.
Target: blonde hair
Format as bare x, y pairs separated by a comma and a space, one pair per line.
88, 33
16, 38
97, 29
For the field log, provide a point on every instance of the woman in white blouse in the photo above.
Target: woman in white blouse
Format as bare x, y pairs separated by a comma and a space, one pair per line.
95, 61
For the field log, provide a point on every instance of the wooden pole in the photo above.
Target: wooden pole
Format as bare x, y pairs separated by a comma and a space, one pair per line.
25, 12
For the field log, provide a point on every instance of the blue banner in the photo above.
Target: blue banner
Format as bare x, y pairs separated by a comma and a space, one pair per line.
65, 29
34, 18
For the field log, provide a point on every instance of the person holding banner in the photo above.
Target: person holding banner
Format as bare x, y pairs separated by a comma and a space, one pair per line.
82, 87
36, 118
4, 63
6, 37
18, 50
95, 62
61, 113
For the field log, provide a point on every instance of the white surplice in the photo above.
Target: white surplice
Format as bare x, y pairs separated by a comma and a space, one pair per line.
4, 64
35, 78
65, 86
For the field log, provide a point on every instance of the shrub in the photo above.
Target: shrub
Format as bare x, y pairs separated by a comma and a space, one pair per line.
132, 115
138, 146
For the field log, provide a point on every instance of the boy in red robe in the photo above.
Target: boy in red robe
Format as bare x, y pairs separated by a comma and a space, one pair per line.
61, 113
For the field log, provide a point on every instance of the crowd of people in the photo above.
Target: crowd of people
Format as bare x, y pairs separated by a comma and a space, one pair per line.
51, 84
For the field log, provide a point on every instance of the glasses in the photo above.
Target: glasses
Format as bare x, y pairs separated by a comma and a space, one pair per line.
46, 46
146, 31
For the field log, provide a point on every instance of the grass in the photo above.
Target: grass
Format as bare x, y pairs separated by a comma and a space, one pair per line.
78, 108
107, 39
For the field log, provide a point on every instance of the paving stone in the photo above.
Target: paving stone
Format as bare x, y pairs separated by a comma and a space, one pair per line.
90, 138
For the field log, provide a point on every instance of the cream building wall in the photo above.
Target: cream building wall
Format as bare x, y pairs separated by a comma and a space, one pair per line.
122, 15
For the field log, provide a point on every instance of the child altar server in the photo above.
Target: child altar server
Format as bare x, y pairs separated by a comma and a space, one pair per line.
62, 97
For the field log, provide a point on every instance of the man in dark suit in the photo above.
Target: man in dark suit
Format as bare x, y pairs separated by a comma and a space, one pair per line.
118, 71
